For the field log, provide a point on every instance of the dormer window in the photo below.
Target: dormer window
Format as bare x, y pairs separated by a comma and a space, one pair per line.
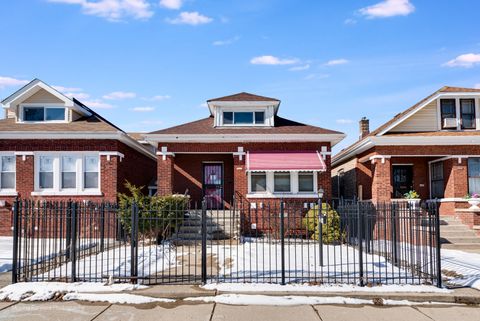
243, 118
448, 112
458, 113
467, 113
43, 114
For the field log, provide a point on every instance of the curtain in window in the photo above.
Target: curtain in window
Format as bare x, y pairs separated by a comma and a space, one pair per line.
69, 172
46, 172
7, 178
474, 175
91, 172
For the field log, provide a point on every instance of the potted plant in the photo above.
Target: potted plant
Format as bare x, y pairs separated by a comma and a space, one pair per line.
413, 198
473, 200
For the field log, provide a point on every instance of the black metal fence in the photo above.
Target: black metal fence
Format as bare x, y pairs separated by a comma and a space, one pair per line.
269, 241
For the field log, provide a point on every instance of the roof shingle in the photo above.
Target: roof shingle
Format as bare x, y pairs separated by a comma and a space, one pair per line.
243, 96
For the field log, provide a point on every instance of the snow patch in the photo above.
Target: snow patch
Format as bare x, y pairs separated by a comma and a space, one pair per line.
118, 298
267, 287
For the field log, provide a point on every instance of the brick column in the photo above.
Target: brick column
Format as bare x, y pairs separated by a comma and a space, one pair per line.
165, 168
324, 179
455, 177
240, 180
109, 177
381, 180
25, 175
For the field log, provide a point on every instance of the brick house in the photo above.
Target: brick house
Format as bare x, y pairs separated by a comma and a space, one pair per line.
244, 147
432, 148
53, 147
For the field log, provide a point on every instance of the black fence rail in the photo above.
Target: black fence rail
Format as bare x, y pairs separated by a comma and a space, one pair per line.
270, 241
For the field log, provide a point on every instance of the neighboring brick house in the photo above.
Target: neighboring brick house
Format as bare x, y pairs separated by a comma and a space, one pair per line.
53, 147
432, 147
243, 147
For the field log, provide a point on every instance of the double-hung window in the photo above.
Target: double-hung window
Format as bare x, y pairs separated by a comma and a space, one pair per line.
44, 113
281, 182
7, 175
448, 113
68, 173
305, 182
474, 175
467, 113
436, 179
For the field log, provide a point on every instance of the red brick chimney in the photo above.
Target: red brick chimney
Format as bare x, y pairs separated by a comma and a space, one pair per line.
364, 127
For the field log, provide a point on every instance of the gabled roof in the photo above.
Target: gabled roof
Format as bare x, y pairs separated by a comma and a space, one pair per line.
400, 117
243, 96
34, 86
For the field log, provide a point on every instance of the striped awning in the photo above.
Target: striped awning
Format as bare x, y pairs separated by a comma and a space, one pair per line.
285, 161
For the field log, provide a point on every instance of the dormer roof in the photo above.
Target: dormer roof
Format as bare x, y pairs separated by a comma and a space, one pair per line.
243, 99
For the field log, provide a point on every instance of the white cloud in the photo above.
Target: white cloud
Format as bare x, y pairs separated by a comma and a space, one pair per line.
171, 4
67, 89
344, 121
335, 62
158, 98
226, 42
465, 60
143, 109
350, 21
10, 82
300, 68
272, 60
119, 95
316, 76
97, 103
388, 8
477, 86
190, 18
113, 10
203, 105
77, 95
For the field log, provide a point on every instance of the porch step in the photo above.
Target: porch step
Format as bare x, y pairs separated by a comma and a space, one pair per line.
466, 233
457, 236
460, 240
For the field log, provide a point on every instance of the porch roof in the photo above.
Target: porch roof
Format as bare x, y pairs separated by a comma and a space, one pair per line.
285, 161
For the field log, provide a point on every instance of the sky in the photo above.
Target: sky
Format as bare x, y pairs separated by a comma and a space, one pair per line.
151, 64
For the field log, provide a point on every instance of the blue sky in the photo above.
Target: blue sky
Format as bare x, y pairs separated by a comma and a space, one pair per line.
151, 64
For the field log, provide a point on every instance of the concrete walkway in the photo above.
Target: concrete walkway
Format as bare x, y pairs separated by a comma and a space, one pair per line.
73, 311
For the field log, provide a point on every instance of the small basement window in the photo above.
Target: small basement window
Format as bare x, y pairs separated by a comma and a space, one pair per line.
41, 114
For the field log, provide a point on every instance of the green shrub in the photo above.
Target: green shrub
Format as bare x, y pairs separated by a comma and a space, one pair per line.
159, 216
331, 231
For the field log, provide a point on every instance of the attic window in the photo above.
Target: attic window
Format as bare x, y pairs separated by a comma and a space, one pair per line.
41, 114
244, 118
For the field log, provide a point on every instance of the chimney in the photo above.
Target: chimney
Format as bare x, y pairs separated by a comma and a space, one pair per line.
364, 127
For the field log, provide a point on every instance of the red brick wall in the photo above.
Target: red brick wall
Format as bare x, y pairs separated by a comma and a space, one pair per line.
165, 175
381, 180
239, 175
136, 168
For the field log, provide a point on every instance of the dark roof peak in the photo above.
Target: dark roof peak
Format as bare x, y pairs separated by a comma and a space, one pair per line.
243, 96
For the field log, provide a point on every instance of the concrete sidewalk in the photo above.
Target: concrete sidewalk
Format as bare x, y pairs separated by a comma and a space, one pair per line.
73, 311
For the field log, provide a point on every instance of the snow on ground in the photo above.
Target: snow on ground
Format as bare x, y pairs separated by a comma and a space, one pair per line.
43, 291
243, 299
6, 246
114, 298
466, 268
117, 263
257, 261
268, 287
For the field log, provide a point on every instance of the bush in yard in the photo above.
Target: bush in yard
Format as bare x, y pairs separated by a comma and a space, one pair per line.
331, 230
159, 216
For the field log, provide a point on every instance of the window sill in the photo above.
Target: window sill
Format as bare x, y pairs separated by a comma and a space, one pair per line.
67, 193
8, 193
282, 195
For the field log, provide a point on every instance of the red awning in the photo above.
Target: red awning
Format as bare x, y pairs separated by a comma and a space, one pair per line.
285, 161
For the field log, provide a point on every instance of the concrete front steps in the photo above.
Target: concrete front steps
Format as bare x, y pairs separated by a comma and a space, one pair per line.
221, 225
457, 236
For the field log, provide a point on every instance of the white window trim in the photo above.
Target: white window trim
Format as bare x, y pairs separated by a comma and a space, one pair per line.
294, 192
8, 191
458, 115
44, 105
57, 175
268, 116
247, 124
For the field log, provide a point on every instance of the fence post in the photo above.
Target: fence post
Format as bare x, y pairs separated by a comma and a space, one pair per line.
73, 241
360, 244
102, 227
282, 240
68, 229
15, 241
439, 244
320, 231
133, 243
393, 215
204, 242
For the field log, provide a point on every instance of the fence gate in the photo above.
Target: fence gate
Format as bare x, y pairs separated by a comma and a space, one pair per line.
269, 242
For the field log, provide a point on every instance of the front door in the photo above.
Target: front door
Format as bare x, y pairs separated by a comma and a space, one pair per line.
213, 185
402, 180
